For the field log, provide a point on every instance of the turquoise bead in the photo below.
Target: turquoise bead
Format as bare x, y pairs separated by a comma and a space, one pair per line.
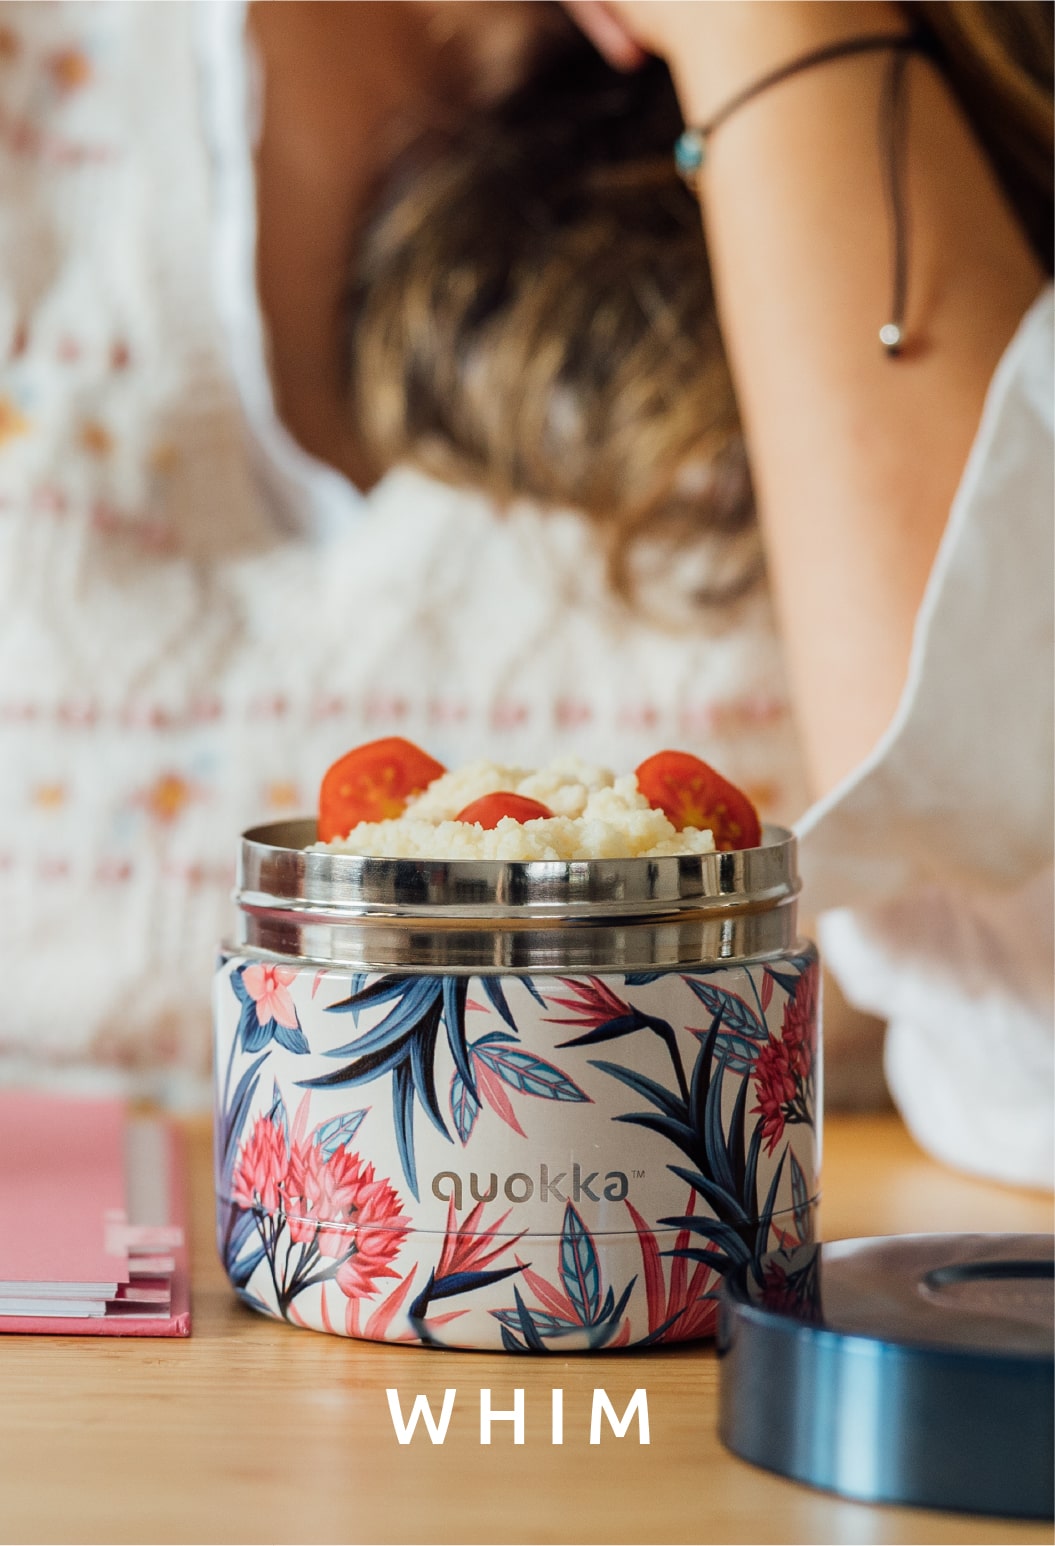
689, 152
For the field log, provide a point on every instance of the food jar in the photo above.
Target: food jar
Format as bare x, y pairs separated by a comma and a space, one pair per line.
540, 1107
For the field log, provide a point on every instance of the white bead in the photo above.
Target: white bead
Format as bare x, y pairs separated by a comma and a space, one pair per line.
890, 335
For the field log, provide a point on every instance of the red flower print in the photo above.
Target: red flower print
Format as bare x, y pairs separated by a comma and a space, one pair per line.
261, 1168
776, 1087
784, 1068
799, 1027
268, 987
594, 1004
469, 1249
684, 1311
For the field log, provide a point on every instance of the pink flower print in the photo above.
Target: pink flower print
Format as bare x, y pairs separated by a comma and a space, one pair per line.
382, 1230
268, 987
268, 1011
261, 1167
338, 1205
322, 1197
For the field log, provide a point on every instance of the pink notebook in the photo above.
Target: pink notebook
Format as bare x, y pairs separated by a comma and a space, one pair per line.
50, 1148
92, 1220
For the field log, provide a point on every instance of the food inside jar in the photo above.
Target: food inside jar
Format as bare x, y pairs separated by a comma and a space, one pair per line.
391, 799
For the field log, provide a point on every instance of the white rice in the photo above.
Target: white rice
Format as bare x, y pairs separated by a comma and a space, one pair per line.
596, 815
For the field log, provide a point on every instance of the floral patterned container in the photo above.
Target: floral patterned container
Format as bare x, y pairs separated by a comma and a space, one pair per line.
535, 1107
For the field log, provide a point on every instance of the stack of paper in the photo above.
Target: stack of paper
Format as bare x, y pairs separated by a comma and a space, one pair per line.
91, 1220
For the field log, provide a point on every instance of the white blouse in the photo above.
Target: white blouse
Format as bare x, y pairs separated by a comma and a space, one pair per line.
936, 854
196, 616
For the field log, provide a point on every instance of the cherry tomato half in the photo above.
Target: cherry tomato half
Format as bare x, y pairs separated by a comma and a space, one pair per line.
373, 783
489, 810
691, 794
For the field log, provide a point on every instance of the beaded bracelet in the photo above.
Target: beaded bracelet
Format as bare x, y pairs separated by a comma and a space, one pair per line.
690, 149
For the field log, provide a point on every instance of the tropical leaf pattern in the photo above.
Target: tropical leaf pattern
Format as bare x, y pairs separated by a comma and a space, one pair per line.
578, 1303
658, 1130
403, 1044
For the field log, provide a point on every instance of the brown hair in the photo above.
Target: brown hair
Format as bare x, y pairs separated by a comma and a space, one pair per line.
531, 309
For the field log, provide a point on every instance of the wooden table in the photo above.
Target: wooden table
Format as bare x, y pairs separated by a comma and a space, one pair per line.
256, 1432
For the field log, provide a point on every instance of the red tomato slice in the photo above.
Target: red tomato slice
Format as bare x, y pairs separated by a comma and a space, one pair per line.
489, 810
373, 783
691, 794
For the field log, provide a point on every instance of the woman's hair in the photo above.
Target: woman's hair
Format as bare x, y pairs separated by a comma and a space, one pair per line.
531, 310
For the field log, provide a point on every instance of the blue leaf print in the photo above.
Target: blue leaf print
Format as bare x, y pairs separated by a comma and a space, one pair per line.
718, 1157
609, 1322
356, 984
532, 1340
492, 986
338, 1132
455, 993
580, 1270
253, 1036
413, 997
641, 979
739, 1054
641, 1084
801, 1197
545, 1324
465, 1108
403, 1113
235, 1115
242, 1231
529, 1074
403, 1043
737, 1015
278, 1113
529, 984
768, 1209
289, 1036
464, 1282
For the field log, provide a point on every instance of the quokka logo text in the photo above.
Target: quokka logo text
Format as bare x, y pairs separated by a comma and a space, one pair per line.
560, 1186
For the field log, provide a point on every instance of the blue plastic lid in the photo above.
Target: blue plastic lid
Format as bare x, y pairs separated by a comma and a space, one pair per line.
914, 1369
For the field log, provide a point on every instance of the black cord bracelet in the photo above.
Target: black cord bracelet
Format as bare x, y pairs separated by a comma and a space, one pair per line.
691, 147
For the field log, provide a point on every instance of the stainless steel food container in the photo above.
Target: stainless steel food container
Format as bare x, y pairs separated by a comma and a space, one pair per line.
534, 1106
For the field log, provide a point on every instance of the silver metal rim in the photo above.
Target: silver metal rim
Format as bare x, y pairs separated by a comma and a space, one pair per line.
300, 904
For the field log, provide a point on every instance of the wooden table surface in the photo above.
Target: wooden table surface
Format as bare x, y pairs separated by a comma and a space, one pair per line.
252, 1431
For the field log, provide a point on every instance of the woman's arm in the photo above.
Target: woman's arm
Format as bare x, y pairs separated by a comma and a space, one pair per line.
856, 457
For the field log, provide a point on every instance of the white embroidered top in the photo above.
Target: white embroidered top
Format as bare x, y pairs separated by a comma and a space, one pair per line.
195, 618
